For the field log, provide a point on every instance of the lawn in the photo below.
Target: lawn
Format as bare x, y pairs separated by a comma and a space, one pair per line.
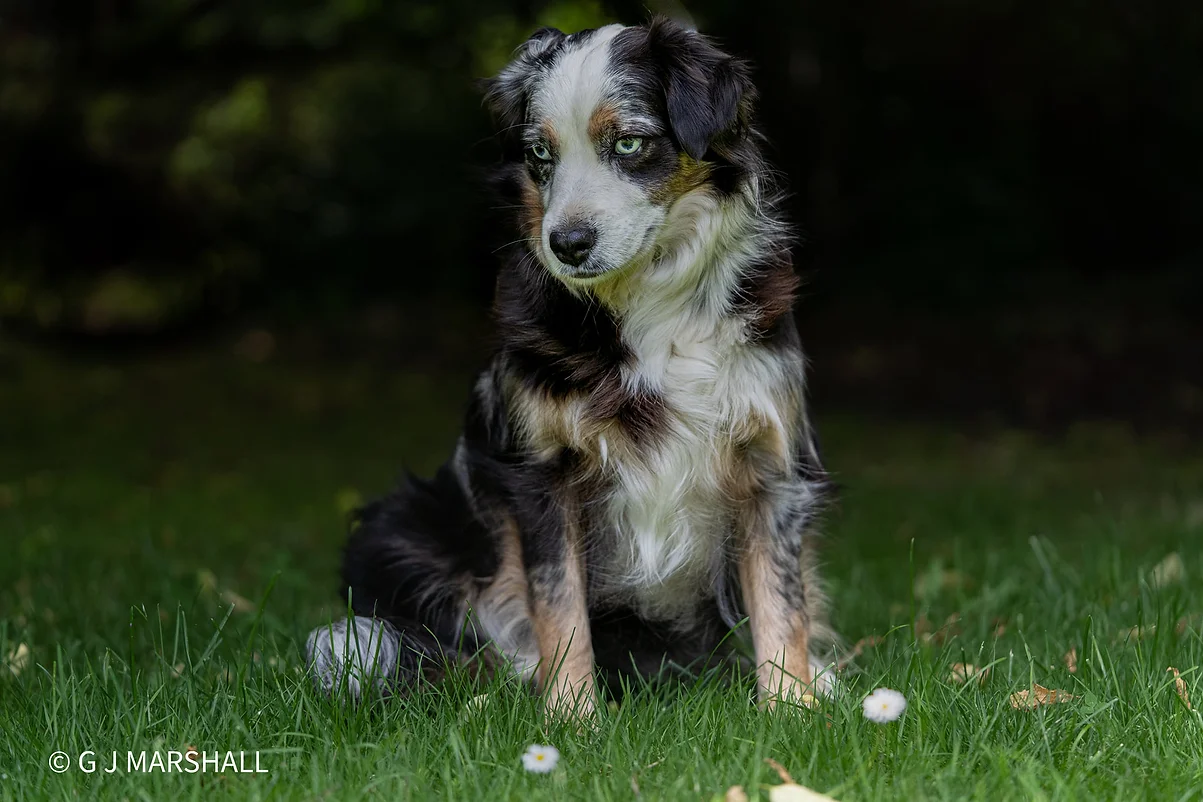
170, 528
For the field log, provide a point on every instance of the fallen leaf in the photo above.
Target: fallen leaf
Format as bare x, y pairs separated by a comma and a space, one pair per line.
792, 792
857, 651
736, 793
241, 603
937, 579
1037, 696
1180, 687
781, 772
949, 630
1139, 633
18, 659
963, 672
1169, 571
208, 583
1071, 660
1186, 622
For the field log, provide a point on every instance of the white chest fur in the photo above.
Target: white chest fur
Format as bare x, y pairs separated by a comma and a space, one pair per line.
671, 505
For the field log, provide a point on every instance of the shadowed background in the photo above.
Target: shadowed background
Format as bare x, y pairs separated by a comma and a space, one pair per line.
245, 264
998, 201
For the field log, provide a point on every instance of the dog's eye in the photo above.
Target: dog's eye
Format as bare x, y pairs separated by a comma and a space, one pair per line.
541, 152
628, 145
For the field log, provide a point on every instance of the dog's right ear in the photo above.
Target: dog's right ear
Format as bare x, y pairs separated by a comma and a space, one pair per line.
507, 94
708, 93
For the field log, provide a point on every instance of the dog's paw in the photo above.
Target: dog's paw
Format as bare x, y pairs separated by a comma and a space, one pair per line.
792, 692
354, 655
825, 683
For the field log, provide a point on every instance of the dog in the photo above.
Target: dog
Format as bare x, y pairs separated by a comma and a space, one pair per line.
637, 475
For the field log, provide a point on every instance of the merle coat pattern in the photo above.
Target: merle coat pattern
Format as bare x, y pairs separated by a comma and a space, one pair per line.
637, 472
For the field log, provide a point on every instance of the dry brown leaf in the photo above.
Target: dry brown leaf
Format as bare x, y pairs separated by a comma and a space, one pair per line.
1138, 633
1180, 687
963, 672
1169, 571
949, 630
1186, 622
857, 650
1037, 696
937, 580
241, 603
1071, 660
781, 772
736, 793
18, 659
208, 583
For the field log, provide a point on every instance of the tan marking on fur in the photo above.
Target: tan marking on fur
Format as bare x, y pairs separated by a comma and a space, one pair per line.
508, 589
531, 217
690, 174
549, 425
565, 673
758, 451
603, 122
780, 636
549, 134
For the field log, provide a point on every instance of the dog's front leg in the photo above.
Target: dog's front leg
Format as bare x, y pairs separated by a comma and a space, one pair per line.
776, 598
555, 569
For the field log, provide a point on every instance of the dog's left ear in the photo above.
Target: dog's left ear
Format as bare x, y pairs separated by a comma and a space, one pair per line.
708, 93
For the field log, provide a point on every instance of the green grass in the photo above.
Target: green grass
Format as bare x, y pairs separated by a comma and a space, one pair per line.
120, 486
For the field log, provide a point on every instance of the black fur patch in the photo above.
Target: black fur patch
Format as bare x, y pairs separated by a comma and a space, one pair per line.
705, 94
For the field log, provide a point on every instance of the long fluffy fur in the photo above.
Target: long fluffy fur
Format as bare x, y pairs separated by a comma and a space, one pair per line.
639, 449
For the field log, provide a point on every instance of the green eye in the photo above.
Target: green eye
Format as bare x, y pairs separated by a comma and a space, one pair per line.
628, 145
541, 152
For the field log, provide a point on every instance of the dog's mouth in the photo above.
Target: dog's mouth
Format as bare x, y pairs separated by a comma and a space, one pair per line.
586, 273
594, 272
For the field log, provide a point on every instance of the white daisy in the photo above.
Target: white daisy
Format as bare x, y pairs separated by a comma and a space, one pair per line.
884, 705
540, 759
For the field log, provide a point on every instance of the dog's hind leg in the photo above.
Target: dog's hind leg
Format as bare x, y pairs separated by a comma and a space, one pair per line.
411, 568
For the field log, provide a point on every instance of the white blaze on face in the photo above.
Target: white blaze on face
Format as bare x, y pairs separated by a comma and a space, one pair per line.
586, 187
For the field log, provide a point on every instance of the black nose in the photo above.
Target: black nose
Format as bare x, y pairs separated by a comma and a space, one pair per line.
572, 245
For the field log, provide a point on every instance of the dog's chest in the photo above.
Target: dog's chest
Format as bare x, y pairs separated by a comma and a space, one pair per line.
670, 495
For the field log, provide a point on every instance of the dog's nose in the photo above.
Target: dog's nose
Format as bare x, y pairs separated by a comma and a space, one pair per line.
572, 245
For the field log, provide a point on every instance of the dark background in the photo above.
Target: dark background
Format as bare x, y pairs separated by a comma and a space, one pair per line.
999, 200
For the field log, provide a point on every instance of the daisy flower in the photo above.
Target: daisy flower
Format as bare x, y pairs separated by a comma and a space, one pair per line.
884, 705
540, 759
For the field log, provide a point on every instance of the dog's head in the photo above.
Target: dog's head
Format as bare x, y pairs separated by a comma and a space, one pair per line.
613, 127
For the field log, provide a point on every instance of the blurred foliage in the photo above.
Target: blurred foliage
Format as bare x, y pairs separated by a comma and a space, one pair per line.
163, 160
